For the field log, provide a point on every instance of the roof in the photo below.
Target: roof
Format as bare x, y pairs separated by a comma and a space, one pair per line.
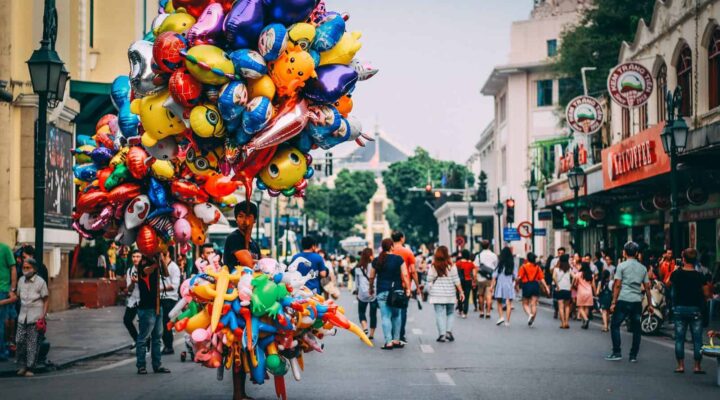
376, 155
94, 99
498, 77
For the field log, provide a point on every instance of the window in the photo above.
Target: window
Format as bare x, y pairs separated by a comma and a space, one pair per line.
684, 80
502, 111
378, 211
625, 123
660, 89
552, 47
714, 69
643, 122
544, 93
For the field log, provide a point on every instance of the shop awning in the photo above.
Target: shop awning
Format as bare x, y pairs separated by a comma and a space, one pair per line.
94, 98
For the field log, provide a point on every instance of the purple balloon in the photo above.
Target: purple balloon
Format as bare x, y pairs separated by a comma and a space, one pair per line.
244, 23
288, 12
333, 82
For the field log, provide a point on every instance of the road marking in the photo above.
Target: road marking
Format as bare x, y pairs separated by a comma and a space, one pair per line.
426, 348
444, 378
417, 331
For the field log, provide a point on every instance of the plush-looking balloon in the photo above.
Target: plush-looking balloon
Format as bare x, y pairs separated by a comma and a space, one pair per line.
203, 162
258, 114
273, 41
163, 170
206, 122
209, 214
344, 105
141, 73
182, 230
85, 172
286, 169
288, 12
147, 241
188, 192
165, 149
332, 82
291, 120
329, 33
264, 86
209, 64
137, 211
120, 96
243, 23
178, 22
208, 26
167, 51
157, 120
231, 103
302, 34
137, 162
291, 70
184, 88
249, 63
344, 51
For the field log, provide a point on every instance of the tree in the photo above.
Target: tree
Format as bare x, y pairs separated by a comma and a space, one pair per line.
340, 209
595, 42
414, 217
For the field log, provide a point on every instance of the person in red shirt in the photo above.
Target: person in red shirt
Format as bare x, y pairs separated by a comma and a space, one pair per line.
531, 279
667, 266
468, 273
408, 257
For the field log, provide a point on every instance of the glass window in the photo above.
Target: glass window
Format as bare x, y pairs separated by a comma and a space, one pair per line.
378, 211
643, 117
625, 123
684, 80
660, 89
552, 47
714, 69
544, 93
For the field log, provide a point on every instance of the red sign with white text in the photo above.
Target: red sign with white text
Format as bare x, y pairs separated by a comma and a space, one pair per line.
634, 159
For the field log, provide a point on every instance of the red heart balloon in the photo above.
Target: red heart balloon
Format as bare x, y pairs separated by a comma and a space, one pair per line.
147, 241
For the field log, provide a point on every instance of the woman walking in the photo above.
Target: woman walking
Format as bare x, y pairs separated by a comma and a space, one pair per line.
392, 276
531, 279
503, 285
585, 286
562, 276
604, 294
444, 283
33, 294
365, 299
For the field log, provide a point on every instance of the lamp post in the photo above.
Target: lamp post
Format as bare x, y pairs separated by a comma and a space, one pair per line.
49, 78
533, 194
257, 197
470, 216
451, 229
499, 208
576, 180
674, 139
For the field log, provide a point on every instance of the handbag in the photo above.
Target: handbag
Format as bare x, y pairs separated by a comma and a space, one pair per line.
485, 271
397, 298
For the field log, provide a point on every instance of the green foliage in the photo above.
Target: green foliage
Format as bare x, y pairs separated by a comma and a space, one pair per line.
414, 217
340, 209
595, 42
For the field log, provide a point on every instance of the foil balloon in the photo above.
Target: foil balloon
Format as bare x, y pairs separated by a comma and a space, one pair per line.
206, 122
286, 169
142, 77
158, 121
203, 162
101, 156
209, 214
248, 63
137, 162
85, 172
167, 51
180, 210
192, 7
163, 170
291, 120
209, 64
218, 185
273, 41
231, 103
197, 229
184, 88
188, 192
147, 241
157, 194
344, 105
178, 22
125, 236
208, 26
291, 70
288, 12
332, 82
328, 140
365, 70
302, 34
165, 149
119, 174
120, 96
344, 51
82, 154
137, 211
243, 23
182, 230
264, 86
258, 115
329, 33
123, 192
90, 201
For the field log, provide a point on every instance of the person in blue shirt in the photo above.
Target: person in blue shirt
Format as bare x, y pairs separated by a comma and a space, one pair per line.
316, 265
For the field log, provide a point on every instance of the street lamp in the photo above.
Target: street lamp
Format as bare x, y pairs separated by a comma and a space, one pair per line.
499, 208
451, 228
49, 79
533, 194
576, 180
257, 197
674, 140
290, 211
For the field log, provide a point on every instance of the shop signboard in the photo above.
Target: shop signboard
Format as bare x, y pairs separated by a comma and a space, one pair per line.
560, 192
630, 85
584, 114
635, 159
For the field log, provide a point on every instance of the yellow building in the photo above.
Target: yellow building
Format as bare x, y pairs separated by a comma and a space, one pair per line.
92, 40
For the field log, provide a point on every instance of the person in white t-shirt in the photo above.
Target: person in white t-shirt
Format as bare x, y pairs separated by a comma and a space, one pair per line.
169, 296
486, 262
133, 297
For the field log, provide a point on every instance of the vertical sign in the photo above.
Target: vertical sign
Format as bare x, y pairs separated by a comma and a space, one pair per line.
59, 178
692, 234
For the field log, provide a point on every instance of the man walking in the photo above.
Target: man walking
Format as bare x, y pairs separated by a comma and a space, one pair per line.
8, 284
630, 278
408, 257
486, 263
150, 314
315, 268
168, 298
131, 279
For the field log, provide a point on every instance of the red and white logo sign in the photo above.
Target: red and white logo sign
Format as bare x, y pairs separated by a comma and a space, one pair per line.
525, 229
631, 159
585, 114
630, 84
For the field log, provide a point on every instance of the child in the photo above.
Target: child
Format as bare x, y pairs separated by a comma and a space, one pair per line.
33, 293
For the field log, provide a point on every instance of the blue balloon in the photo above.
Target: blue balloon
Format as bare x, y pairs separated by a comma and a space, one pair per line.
248, 63
157, 194
101, 156
273, 41
243, 24
231, 103
304, 142
329, 33
327, 141
85, 172
120, 96
257, 116
333, 82
315, 56
85, 140
288, 12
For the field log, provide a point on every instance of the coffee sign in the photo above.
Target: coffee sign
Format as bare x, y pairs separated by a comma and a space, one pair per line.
584, 114
630, 85
634, 159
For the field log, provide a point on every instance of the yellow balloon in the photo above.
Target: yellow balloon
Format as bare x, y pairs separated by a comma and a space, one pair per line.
344, 51
212, 56
206, 122
286, 169
163, 170
179, 22
119, 157
158, 121
263, 86
302, 34
82, 158
200, 320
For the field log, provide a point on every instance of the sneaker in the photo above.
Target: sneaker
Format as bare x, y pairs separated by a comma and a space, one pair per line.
450, 337
440, 339
613, 357
507, 324
21, 372
464, 316
28, 374
500, 321
142, 371
167, 351
633, 359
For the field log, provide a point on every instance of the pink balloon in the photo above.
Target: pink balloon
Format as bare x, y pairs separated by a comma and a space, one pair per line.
180, 210
290, 121
182, 230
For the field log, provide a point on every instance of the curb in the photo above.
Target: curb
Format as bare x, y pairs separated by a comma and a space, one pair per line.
70, 362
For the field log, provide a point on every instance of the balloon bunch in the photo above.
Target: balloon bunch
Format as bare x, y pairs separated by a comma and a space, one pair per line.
259, 318
220, 93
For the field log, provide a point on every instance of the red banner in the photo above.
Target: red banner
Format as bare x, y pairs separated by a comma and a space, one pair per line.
634, 159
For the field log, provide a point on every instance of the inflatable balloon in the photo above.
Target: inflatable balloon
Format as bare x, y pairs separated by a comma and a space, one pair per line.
365, 70
248, 63
85, 172
258, 114
206, 122
262, 87
192, 7
142, 77
332, 82
137, 211
101, 156
167, 51
344, 105
202, 162
178, 22
288, 12
302, 34
273, 41
209, 214
291, 120
329, 33
137, 162
197, 229
291, 70
344, 51
147, 241
123, 192
120, 96
182, 230
209, 64
165, 149
286, 169
244, 23
189, 192
163, 170
157, 120
208, 26
231, 102
119, 174
184, 88
218, 185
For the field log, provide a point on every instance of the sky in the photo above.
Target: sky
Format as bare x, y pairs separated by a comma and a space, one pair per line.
433, 56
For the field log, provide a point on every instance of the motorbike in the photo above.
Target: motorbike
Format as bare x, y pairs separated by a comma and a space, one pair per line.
651, 322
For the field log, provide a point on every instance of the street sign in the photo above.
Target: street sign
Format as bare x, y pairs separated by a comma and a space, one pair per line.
540, 232
511, 235
525, 229
460, 242
545, 215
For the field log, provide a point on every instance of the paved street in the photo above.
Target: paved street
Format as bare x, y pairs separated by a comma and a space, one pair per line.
485, 362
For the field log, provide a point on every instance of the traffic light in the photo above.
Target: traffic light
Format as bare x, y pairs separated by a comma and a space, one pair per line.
328, 163
428, 188
510, 215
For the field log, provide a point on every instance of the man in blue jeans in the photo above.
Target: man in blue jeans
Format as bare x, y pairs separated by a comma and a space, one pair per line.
8, 284
630, 278
150, 314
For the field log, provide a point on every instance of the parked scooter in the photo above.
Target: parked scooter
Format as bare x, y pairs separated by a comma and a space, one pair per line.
651, 323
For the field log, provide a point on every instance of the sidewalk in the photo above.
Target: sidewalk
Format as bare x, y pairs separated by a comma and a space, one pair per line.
80, 334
